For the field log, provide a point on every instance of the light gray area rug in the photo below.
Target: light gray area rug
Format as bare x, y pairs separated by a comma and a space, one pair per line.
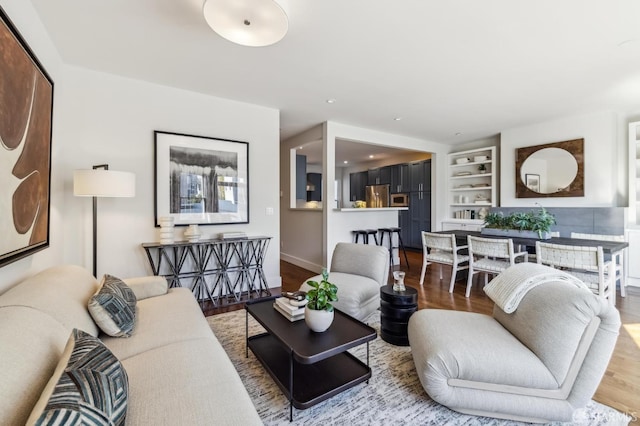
394, 395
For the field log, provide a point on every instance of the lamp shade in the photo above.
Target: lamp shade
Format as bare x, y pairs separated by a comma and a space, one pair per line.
103, 183
248, 22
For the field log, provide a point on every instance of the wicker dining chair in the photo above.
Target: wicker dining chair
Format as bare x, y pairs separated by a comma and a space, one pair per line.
490, 256
584, 262
617, 257
442, 249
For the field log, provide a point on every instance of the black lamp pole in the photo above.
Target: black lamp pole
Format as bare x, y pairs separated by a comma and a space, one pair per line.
95, 228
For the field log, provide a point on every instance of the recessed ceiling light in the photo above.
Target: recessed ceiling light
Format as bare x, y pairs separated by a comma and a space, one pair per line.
331, 101
345, 162
371, 156
458, 134
397, 118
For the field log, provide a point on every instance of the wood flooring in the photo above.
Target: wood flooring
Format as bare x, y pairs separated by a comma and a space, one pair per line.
620, 387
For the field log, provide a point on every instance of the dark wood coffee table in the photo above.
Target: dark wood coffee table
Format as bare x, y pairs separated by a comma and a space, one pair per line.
308, 367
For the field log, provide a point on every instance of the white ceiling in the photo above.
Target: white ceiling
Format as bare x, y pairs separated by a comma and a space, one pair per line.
445, 67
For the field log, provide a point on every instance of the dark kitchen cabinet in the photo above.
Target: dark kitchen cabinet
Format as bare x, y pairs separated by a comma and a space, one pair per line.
419, 203
419, 217
420, 174
379, 176
357, 183
400, 179
314, 187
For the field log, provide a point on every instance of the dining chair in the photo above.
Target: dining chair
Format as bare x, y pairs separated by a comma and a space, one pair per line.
532, 249
491, 256
584, 262
442, 249
617, 257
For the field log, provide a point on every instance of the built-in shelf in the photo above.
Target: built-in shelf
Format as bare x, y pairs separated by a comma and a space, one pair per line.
462, 191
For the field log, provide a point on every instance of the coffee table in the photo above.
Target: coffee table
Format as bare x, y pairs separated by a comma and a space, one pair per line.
308, 367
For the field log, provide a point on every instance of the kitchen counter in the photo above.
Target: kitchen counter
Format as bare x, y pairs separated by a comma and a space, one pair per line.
345, 221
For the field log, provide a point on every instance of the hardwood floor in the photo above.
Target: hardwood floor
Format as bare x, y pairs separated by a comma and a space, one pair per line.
620, 387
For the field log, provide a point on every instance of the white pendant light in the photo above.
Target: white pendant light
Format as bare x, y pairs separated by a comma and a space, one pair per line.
253, 23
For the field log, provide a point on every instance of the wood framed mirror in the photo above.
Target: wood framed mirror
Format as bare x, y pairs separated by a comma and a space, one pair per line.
550, 170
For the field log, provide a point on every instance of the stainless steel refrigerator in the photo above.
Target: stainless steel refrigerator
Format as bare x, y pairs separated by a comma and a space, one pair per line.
377, 195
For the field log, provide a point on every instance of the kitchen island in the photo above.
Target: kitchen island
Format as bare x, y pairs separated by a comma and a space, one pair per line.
346, 220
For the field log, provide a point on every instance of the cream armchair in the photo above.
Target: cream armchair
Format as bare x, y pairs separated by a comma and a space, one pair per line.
359, 270
537, 364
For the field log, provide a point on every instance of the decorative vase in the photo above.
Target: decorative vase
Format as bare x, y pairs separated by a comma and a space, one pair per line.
316, 320
482, 213
192, 234
398, 281
166, 229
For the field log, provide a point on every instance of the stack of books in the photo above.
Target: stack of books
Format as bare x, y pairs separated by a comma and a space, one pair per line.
233, 236
291, 309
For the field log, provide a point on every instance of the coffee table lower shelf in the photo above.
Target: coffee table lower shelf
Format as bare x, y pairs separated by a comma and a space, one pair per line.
312, 383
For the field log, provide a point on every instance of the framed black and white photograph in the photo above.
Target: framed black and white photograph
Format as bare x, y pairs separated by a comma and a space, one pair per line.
26, 114
533, 182
201, 180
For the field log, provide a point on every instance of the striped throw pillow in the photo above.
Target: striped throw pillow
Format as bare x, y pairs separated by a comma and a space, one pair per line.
113, 308
90, 387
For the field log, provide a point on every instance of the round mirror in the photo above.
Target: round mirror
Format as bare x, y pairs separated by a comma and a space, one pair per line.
549, 170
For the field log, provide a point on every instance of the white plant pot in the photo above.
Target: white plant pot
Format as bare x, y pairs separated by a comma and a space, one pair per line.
318, 321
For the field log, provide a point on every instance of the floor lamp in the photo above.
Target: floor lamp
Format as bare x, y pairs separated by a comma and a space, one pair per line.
102, 182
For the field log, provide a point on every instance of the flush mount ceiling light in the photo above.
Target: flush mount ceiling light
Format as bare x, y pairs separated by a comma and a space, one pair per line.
253, 23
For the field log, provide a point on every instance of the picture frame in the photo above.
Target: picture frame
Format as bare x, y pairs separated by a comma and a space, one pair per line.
532, 181
201, 180
26, 117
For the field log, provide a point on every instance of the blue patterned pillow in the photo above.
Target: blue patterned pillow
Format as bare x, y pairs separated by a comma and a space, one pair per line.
117, 286
92, 389
113, 308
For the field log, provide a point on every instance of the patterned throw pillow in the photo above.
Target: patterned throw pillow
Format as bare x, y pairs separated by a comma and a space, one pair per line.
113, 308
92, 389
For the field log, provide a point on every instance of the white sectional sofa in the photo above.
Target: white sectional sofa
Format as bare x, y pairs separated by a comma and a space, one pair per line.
178, 372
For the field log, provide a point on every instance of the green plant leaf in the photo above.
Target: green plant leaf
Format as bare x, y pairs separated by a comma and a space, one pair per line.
322, 293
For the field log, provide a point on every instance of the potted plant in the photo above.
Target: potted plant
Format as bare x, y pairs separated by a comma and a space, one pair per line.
319, 311
537, 223
482, 168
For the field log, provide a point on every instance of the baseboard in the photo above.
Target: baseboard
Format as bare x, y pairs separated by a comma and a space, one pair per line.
633, 282
302, 263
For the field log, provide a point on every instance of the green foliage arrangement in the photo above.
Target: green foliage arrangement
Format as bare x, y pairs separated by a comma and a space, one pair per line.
539, 221
322, 293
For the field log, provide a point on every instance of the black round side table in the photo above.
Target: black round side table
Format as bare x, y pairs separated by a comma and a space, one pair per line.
396, 307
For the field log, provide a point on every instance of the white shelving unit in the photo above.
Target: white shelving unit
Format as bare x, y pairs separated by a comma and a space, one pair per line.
633, 227
470, 189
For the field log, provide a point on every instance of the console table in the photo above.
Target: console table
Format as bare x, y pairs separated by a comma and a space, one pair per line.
222, 271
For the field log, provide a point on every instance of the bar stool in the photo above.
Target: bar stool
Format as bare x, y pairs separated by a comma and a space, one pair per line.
390, 231
365, 235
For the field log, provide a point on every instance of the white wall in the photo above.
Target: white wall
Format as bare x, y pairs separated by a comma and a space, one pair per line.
300, 229
102, 118
601, 158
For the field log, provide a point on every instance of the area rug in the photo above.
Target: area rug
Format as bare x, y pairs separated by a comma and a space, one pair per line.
394, 395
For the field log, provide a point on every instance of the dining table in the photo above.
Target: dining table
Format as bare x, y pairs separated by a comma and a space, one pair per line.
608, 247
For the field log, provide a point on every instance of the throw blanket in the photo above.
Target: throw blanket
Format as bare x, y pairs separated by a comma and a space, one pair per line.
510, 286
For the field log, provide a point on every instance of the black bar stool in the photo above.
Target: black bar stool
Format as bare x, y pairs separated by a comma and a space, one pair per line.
390, 231
365, 235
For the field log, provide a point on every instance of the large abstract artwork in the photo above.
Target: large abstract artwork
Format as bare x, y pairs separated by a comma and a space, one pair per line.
26, 107
201, 180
